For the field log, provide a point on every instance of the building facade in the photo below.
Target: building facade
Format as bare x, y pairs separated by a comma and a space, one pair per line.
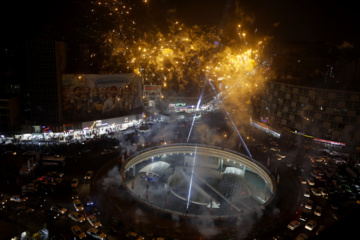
322, 114
10, 114
45, 61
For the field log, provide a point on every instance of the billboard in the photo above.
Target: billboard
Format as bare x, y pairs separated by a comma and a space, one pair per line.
99, 96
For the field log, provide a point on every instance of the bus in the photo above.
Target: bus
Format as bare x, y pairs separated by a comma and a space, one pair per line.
55, 161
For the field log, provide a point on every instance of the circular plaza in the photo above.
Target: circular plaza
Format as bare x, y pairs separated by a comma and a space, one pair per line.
194, 181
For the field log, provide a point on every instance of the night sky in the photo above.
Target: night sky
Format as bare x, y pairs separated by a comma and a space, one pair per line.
283, 19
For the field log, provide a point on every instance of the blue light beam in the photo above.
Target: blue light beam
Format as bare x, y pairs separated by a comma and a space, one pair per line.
232, 122
191, 180
197, 108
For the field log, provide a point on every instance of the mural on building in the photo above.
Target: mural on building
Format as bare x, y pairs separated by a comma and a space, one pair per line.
97, 96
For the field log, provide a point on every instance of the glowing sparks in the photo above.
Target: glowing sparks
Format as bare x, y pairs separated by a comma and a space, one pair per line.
182, 54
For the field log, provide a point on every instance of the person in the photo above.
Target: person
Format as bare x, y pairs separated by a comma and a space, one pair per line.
112, 105
96, 103
86, 99
78, 101
66, 102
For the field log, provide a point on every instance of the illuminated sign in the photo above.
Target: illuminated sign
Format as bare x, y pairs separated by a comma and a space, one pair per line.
152, 88
180, 104
302, 134
330, 142
99, 96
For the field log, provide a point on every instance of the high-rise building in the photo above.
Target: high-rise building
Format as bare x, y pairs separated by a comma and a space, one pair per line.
45, 60
10, 114
323, 114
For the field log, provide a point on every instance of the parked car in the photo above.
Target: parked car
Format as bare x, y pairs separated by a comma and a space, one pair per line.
302, 180
293, 225
52, 215
88, 200
77, 217
309, 204
304, 216
75, 196
59, 209
275, 149
318, 211
316, 192
320, 229
88, 175
310, 181
18, 198
96, 233
310, 225
301, 236
78, 232
75, 183
134, 235
78, 205
306, 192
94, 222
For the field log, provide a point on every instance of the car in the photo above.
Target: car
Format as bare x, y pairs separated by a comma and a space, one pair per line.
88, 200
23, 208
75, 183
324, 193
55, 174
301, 236
293, 225
106, 152
88, 175
280, 236
309, 204
275, 149
310, 225
75, 190
85, 151
52, 215
78, 205
316, 192
94, 222
58, 209
310, 181
320, 229
57, 181
18, 198
94, 210
77, 217
334, 206
134, 235
78, 232
111, 150
318, 211
304, 216
302, 180
3, 201
75, 196
306, 192
31, 187
96, 233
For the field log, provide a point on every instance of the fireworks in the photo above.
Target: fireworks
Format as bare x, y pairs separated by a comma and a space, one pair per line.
181, 56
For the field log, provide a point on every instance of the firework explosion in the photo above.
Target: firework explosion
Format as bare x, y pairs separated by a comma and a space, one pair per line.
182, 57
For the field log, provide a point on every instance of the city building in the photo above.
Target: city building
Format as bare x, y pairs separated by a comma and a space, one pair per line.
10, 114
324, 115
45, 61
